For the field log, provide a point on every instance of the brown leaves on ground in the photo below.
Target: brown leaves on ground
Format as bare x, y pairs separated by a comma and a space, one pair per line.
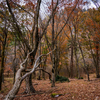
73, 90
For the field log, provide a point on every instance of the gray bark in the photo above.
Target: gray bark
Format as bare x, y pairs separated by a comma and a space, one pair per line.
19, 78
29, 87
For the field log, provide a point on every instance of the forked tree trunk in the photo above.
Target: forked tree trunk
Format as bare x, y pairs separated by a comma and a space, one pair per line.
20, 78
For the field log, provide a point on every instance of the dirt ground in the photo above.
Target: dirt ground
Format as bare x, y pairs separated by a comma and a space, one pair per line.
73, 90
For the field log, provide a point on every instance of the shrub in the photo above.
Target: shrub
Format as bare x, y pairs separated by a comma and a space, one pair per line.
80, 78
61, 78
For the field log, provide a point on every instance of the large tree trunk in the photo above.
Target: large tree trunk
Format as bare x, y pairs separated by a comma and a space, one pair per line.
29, 86
71, 62
14, 90
53, 56
39, 77
16, 86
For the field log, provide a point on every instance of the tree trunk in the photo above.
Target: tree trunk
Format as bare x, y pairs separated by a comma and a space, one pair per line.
86, 70
77, 65
0, 50
16, 86
14, 69
96, 63
44, 68
75, 49
29, 86
2, 60
14, 90
97, 60
1, 69
39, 77
85, 67
56, 60
71, 62
53, 57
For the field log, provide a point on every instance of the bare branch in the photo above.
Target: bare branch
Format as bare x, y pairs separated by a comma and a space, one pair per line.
66, 22
23, 9
35, 65
50, 18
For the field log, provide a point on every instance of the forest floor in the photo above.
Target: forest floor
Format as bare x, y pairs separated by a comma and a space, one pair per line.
74, 90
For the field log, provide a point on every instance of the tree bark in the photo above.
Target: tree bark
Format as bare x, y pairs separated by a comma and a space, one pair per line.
44, 68
56, 61
53, 56
3, 54
75, 49
16, 86
39, 77
29, 86
96, 64
2, 66
71, 62
14, 90
20, 78
85, 66
14, 69
72, 48
97, 60
77, 65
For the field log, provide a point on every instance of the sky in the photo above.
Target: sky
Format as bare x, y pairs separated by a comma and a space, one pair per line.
44, 10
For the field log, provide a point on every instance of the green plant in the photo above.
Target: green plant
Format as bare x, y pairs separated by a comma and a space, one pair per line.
53, 94
80, 78
61, 78
76, 77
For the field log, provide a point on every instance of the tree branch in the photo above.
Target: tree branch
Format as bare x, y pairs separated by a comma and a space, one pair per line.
35, 65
